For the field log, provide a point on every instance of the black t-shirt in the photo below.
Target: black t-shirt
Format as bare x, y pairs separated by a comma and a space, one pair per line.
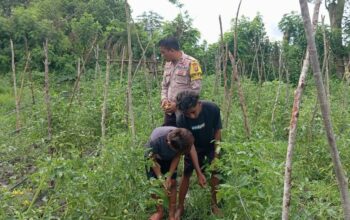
203, 127
158, 146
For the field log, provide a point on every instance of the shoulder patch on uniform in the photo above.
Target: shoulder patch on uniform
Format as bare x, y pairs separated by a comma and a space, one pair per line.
195, 70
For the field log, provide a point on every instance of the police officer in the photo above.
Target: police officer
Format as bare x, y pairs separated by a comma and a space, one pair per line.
181, 72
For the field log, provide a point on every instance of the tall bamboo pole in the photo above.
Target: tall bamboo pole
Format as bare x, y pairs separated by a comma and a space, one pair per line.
226, 89
122, 65
18, 123
31, 85
23, 77
241, 96
293, 124
325, 109
325, 58
273, 127
235, 78
76, 86
129, 89
147, 82
325, 72
105, 98
259, 93
218, 61
47, 92
228, 97
255, 57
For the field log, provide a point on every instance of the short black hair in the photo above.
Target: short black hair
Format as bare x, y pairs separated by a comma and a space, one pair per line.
170, 43
181, 140
186, 99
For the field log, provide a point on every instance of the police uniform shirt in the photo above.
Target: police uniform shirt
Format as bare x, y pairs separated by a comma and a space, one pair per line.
186, 74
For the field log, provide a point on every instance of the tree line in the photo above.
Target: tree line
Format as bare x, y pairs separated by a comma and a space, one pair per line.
81, 29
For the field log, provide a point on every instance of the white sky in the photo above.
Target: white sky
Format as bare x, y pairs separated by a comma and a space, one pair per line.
205, 13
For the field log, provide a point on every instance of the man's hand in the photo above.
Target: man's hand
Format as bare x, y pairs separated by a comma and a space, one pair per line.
165, 103
167, 185
201, 179
168, 106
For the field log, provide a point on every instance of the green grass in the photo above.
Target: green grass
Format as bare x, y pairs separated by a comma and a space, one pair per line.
94, 180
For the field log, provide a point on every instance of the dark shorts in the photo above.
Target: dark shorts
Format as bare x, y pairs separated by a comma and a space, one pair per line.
170, 120
204, 160
164, 168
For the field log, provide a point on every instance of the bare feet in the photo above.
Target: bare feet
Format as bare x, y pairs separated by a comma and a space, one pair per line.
179, 212
156, 216
216, 211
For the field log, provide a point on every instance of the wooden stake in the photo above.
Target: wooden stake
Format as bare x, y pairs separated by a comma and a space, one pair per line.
129, 89
18, 123
23, 76
293, 124
47, 93
105, 98
325, 109
273, 127
122, 65
240, 95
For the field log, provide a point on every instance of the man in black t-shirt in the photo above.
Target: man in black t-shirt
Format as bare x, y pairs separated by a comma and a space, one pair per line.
164, 148
203, 119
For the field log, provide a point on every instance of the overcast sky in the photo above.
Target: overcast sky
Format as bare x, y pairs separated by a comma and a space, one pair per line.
205, 13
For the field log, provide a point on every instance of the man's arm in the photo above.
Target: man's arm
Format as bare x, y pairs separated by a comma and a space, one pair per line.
200, 176
165, 87
196, 85
217, 137
156, 167
166, 105
173, 166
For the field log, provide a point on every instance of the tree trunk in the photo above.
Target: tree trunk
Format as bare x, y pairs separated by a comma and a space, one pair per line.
129, 89
336, 11
342, 180
294, 122
80, 72
18, 123
97, 65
